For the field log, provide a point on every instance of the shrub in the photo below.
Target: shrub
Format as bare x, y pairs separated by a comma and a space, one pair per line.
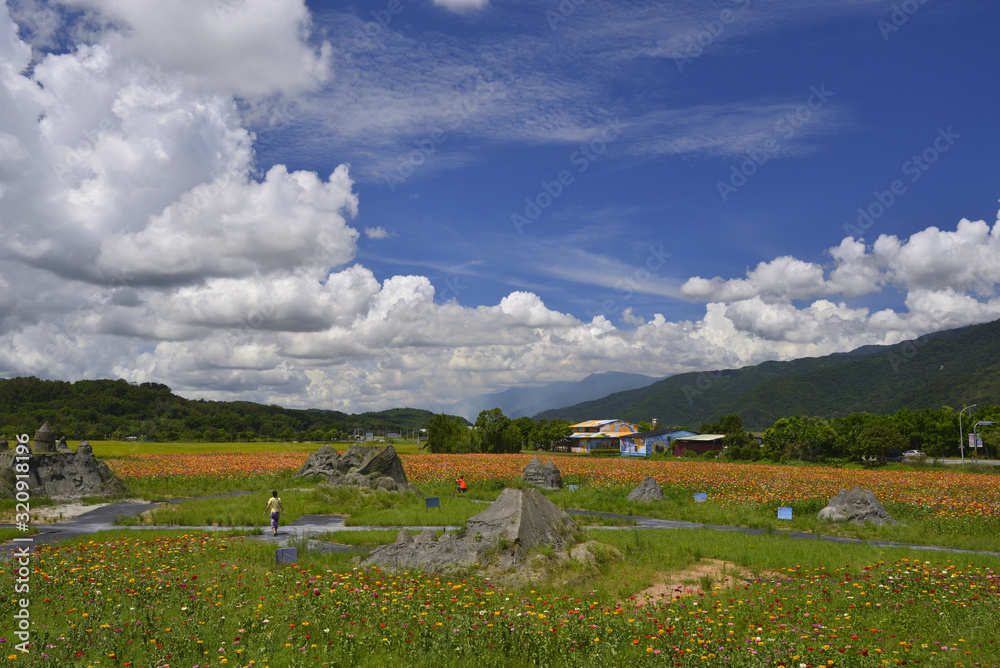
605, 452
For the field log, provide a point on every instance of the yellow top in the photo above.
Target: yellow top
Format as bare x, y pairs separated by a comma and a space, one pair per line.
274, 505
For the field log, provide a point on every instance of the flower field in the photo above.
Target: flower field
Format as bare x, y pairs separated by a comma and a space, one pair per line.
945, 493
206, 600
211, 464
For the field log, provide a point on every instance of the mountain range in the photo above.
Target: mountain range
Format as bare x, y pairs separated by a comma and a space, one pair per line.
948, 368
520, 401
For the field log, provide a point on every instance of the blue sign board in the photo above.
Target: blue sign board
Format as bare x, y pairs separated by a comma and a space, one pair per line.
286, 555
433, 502
701, 497
784, 513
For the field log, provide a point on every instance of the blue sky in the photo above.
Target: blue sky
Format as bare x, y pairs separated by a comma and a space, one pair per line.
372, 204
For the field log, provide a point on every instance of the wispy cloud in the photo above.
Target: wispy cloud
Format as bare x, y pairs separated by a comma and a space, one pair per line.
378, 232
395, 92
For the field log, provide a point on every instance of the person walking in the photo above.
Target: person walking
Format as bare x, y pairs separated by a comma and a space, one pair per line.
461, 485
274, 508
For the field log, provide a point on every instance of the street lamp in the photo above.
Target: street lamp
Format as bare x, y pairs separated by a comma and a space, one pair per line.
985, 423
961, 442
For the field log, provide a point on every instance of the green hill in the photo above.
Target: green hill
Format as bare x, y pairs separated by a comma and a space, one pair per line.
952, 367
99, 409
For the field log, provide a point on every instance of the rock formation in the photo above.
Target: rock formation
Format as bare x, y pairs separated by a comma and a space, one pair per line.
3, 443
322, 462
648, 490
61, 445
858, 505
45, 441
501, 536
546, 475
361, 466
62, 475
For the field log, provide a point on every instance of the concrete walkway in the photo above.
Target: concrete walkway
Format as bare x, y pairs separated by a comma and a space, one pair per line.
102, 519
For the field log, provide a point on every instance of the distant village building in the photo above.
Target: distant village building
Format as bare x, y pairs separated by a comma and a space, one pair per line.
599, 435
645, 443
700, 443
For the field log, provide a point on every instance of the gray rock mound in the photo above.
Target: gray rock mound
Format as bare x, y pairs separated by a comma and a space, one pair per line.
322, 462
545, 475
63, 475
648, 490
502, 535
61, 445
45, 440
361, 466
858, 505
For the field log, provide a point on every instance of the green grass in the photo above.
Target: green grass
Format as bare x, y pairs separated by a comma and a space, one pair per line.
154, 488
246, 510
36, 501
364, 507
11, 534
915, 525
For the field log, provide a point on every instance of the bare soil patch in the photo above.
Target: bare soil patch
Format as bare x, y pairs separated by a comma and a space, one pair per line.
701, 576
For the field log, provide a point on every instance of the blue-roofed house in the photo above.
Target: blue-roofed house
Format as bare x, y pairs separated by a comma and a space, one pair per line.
646, 443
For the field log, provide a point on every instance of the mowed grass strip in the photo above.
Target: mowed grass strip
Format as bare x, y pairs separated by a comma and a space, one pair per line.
363, 508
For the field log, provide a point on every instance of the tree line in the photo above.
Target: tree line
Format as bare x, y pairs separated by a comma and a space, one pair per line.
493, 432
805, 438
117, 410
859, 435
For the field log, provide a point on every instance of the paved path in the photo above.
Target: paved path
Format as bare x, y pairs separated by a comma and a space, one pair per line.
102, 519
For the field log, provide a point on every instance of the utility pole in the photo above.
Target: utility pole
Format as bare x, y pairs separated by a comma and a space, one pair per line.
961, 441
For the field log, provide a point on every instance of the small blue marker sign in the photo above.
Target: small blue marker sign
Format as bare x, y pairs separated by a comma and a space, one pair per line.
701, 497
286, 555
433, 502
784, 513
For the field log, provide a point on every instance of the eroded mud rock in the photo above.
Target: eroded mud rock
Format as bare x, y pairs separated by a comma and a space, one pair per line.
502, 535
648, 490
858, 505
545, 475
